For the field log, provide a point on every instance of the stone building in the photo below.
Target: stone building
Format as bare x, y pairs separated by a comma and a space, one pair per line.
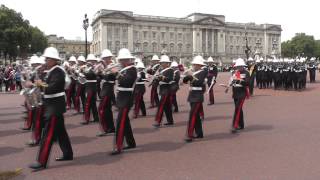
197, 33
67, 47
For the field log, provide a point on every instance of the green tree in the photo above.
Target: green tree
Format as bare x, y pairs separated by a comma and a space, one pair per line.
16, 34
300, 45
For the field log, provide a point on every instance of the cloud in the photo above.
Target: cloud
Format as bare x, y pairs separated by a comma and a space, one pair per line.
64, 18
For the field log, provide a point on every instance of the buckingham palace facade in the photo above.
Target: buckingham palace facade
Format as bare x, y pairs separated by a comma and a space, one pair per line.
197, 33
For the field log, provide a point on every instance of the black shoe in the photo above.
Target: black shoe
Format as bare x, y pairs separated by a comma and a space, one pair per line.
25, 129
176, 110
64, 158
84, 123
240, 128
111, 131
234, 130
156, 125
115, 152
37, 166
209, 104
129, 147
168, 124
32, 143
188, 140
199, 137
102, 134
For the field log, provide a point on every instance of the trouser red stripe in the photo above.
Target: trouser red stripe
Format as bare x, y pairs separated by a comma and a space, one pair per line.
77, 99
160, 110
87, 109
236, 123
201, 111
37, 131
137, 104
193, 119
102, 112
121, 129
29, 119
44, 152
211, 96
69, 97
152, 96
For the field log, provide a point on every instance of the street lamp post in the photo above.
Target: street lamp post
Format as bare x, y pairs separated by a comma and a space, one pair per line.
85, 27
247, 51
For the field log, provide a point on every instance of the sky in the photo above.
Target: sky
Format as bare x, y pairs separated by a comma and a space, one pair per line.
64, 17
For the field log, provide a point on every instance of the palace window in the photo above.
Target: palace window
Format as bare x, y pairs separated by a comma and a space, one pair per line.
171, 35
154, 34
117, 48
145, 34
171, 47
109, 45
145, 47
154, 47
117, 32
163, 35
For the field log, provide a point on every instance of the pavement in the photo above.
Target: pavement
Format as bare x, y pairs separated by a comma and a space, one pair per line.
281, 141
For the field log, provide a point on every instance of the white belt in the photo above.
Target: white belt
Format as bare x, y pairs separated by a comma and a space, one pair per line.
237, 85
91, 81
139, 82
196, 88
48, 96
171, 82
124, 89
110, 81
161, 83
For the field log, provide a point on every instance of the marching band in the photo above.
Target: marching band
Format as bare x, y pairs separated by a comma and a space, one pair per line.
52, 87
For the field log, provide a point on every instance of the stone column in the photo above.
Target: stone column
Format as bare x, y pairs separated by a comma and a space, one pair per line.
207, 40
130, 37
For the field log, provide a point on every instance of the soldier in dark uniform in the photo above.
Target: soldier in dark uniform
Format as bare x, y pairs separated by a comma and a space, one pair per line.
107, 93
31, 109
312, 70
139, 91
126, 81
55, 106
165, 78
239, 82
71, 91
252, 67
80, 87
175, 85
153, 70
195, 98
38, 115
91, 90
211, 79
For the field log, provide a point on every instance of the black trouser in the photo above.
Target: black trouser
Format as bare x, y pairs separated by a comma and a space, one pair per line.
312, 74
194, 123
174, 101
164, 106
7, 84
105, 114
154, 96
54, 130
38, 124
91, 106
123, 130
251, 85
139, 104
71, 96
80, 95
238, 121
211, 94
19, 86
